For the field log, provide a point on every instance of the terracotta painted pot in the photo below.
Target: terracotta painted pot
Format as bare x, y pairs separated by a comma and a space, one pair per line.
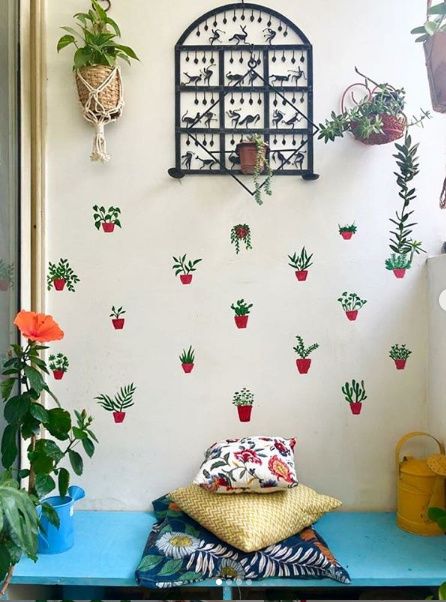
399, 272
108, 227
302, 275
356, 408
186, 278
400, 364
59, 284
4, 285
347, 235
241, 321
118, 323
188, 368
244, 413
352, 315
303, 365
435, 51
58, 374
118, 417
247, 151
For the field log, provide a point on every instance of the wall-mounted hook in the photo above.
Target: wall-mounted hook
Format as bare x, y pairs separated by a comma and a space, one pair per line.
108, 4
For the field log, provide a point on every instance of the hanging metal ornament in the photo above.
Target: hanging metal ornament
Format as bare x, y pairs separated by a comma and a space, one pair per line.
211, 143
243, 13
275, 101
285, 33
260, 101
242, 99
234, 18
293, 60
231, 60
302, 58
206, 26
198, 32
187, 57
252, 17
283, 57
204, 141
274, 59
205, 102
251, 101
196, 61
212, 61
196, 101
225, 19
260, 20
280, 28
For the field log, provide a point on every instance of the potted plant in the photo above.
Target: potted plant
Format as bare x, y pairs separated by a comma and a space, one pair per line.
61, 274
400, 354
123, 400
244, 400
303, 362
253, 155
98, 76
347, 231
355, 394
52, 436
433, 36
108, 219
6, 275
351, 304
301, 263
184, 268
242, 311
117, 320
241, 234
187, 359
58, 365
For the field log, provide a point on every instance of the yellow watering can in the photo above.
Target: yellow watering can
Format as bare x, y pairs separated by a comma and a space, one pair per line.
421, 485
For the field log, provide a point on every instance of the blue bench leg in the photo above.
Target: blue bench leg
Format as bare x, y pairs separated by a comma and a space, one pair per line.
73, 592
227, 592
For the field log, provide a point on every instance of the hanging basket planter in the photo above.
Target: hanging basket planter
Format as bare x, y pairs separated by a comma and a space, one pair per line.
393, 128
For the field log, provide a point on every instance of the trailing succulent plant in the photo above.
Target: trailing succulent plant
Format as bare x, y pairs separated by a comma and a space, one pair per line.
262, 168
241, 233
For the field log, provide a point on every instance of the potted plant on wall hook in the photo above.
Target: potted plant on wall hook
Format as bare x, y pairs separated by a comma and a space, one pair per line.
187, 359
400, 354
241, 234
184, 268
354, 394
301, 263
303, 362
98, 76
347, 231
351, 304
242, 311
244, 400
58, 364
117, 320
253, 155
122, 401
108, 219
61, 275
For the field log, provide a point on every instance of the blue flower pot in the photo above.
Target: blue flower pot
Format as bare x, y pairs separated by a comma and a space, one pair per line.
53, 540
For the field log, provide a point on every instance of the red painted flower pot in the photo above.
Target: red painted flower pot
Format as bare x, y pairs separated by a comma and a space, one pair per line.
118, 417
59, 284
58, 374
118, 323
399, 272
188, 368
186, 278
400, 364
244, 413
356, 408
352, 315
347, 235
303, 365
302, 275
241, 321
4, 285
108, 227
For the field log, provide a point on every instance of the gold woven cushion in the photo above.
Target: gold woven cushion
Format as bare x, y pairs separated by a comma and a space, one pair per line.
252, 521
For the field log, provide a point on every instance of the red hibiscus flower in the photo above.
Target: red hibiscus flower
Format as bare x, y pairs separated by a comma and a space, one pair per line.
248, 456
280, 469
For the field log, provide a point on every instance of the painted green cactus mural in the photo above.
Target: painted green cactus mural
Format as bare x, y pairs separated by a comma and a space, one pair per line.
355, 395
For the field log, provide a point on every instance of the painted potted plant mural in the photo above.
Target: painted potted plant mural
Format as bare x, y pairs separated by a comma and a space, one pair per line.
301, 263
6, 275
187, 359
400, 354
98, 76
355, 395
61, 275
303, 362
58, 365
244, 400
185, 268
347, 231
122, 401
117, 320
253, 154
241, 234
351, 304
107, 218
242, 311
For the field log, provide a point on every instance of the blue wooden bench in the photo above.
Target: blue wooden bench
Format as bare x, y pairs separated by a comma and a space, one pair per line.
109, 546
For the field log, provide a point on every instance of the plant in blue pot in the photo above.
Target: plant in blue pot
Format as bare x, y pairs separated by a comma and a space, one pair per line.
54, 439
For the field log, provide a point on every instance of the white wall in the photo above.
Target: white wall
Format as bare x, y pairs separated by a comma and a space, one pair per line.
175, 418
437, 346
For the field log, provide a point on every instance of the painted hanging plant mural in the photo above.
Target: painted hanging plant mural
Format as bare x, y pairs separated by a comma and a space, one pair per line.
351, 303
184, 268
242, 311
244, 400
6, 275
303, 362
402, 245
122, 401
108, 219
355, 395
58, 364
347, 231
187, 359
399, 354
301, 263
61, 275
241, 234
117, 320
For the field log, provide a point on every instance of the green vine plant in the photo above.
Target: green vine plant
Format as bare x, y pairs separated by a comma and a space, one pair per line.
262, 168
243, 398
302, 351
241, 233
354, 392
435, 23
6, 275
109, 216
123, 400
187, 357
58, 362
301, 262
399, 352
95, 39
241, 308
183, 266
63, 273
351, 301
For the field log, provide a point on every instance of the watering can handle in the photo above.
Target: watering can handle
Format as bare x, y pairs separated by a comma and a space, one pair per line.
409, 436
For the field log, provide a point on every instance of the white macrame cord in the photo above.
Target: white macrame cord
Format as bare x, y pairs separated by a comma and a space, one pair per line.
99, 115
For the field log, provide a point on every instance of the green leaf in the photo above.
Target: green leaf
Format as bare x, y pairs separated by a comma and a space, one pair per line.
5, 561
88, 446
79, 433
65, 41
9, 446
6, 387
171, 567
35, 379
21, 516
59, 423
38, 412
44, 485
442, 592
63, 481
191, 576
438, 9
50, 514
76, 462
127, 50
149, 562
16, 408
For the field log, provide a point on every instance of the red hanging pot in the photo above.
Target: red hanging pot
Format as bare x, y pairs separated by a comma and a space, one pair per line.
352, 315
399, 272
302, 275
247, 152
400, 364
188, 368
394, 128
347, 235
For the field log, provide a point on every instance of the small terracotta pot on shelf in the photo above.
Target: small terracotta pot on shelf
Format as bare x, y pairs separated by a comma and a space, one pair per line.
247, 152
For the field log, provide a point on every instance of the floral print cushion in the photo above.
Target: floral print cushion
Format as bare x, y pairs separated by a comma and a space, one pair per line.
251, 464
179, 551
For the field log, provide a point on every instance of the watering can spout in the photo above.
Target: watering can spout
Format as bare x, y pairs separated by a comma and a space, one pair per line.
76, 493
